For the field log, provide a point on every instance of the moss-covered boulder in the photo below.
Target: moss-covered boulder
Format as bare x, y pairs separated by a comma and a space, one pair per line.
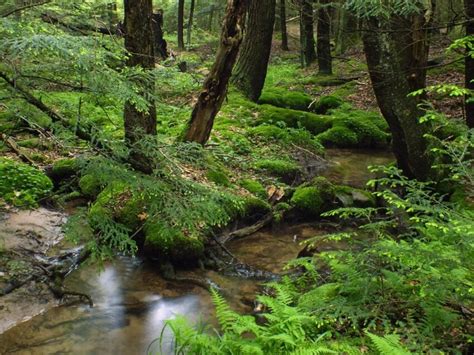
90, 186
313, 198
171, 244
287, 171
352, 197
293, 118
286, 99
63, 169
254, 187
326, 103
22, 185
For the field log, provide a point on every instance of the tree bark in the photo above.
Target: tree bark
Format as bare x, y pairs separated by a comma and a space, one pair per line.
190, 23
283, 29
469, 63
215, 86
324, 38
397, 69
308, 52
251, 68
181, 24
160, 45
139, 44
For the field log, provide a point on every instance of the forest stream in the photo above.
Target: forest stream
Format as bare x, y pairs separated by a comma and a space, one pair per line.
132, 301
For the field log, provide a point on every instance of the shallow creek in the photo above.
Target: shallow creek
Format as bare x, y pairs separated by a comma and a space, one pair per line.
132, 301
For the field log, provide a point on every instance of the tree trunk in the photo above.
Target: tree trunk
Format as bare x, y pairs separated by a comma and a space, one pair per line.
190, 24
215, 86
324, 38
251, 69
181, 24
308, 52
469, 63
397, 69
211, 17
160, 45
139, 44
284, 32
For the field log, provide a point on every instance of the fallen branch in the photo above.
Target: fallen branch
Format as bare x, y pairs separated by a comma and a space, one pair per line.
10, 142
246, 231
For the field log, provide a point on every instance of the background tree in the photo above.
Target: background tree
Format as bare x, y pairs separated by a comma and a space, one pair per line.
283, 29
215, 86
139, 123
251, 68
324, 37
180, 30
469, 62
308, 52
190, 23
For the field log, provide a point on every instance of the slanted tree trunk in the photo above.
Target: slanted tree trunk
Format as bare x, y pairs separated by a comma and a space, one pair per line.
211, 17
180, 24
308, 52
190, 24
397, 69
283, 29
251, 68
469, 63
324, 38
160, 45
139, 43
215, 86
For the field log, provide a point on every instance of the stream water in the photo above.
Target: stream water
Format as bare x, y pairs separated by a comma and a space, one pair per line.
132, 301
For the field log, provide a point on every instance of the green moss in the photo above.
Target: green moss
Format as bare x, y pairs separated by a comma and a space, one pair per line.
327, 103
338, 137
90, 186
218, 177
308, 200
286, 99
293, 118
286, 170
65, 168
30, 143
254, 187
104, 205
21, 184
171, 244
254, 206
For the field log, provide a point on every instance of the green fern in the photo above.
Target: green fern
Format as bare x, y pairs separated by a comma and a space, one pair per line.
388, 345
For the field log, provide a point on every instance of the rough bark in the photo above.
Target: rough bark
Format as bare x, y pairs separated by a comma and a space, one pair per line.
215, 86
469, 63
308, 52
139, 43
324, 38
180, 24
283, 29
396, 69
160, 45
251, 68
190, 23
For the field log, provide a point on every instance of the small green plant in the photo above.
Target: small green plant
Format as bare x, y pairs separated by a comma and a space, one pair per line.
21, 184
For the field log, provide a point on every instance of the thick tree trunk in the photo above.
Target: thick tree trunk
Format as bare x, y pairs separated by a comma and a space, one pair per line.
283, 29
160, 45
469, 63
324, 38
396, 69
190, 24
215, 86
308, 52
180, 30
251, 68
139, 44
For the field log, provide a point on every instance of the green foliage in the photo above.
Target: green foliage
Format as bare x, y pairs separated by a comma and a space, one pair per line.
312, 199
284, 169
218, 177
254, 187
386, 9
389, 344
286, 99
21, 184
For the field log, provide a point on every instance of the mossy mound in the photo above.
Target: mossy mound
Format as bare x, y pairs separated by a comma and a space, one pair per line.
313, 123
355, 129
254, 187
285, 170
218, 177
326, 103
90, 186
313, 198
286, 99
22, 185
170, 244
64, 168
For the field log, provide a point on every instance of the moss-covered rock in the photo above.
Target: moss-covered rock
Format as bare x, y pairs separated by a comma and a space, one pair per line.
338, 137
286, 99
308, 200
254, 187
286, 170
90, 186
326, 103
353, 197
21, 184
292, 118
64, 168
254, 206
219, 177
171, 244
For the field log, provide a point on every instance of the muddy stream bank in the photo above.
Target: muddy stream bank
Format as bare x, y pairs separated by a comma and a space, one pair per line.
132, 301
